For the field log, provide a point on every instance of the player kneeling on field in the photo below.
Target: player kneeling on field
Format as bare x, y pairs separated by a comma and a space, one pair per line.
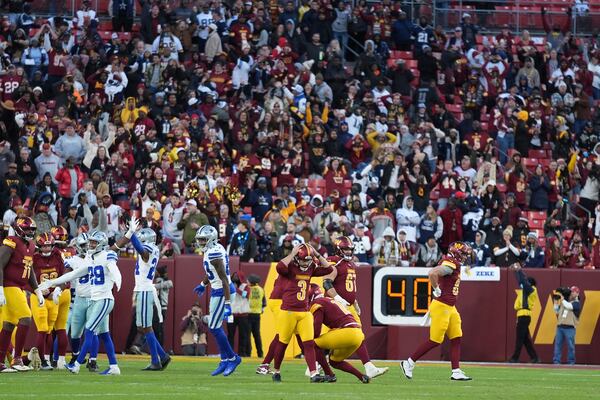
343, 339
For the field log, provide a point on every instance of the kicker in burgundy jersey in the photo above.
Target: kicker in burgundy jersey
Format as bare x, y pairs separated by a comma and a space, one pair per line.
18, 269
345, 281
449, 283
50, 267
297, 283
335, 315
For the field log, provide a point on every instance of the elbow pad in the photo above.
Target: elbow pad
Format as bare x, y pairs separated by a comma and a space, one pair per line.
327, 284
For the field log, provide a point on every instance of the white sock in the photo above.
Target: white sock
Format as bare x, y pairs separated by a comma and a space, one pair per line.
369, 365
47, 357
456, 370
410, 361
61, 359
92, 358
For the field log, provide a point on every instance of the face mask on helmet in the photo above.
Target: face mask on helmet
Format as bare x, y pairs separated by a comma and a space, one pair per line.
304, 263
347, 253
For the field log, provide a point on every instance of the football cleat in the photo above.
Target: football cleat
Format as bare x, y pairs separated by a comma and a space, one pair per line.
459, 375
276, 377
112, 370
46, 366
317, 379
92, 366
220, 369
264, 369
73, 368
6, 370
17, 363
165, 361
153, 367
232, 365
34, 358
407, 368
365, 379
74, 358
60, 363
330, 378
374, 372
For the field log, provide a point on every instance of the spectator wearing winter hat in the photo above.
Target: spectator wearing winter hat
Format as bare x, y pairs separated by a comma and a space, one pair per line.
385, 249
533, 252
506, 253
191, 221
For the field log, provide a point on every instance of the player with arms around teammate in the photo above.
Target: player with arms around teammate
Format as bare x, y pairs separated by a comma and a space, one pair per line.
216, 265
81, 309
343, 339
104, 274
340, 285
61, 237
47, 264
445, 319
274, 305
295, 318
146, 298
16, 262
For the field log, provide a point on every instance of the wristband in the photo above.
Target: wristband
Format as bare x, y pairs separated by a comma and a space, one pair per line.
228, 302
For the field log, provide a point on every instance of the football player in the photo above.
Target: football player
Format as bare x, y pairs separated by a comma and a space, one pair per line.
104, 274
81, 308
47, 264
295, 318
445, 319
343, 339
274, 305
341, 286
16, 262
61, 237
216, 265
146, 297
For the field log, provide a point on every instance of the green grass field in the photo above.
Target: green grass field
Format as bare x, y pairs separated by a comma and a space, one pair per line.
189, 378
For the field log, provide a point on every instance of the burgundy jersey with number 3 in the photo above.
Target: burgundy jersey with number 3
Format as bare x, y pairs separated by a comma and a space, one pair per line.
295, 291
449, 283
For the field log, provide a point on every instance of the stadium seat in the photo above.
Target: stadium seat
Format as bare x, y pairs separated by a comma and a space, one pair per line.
434, 195
530, 163
542, 242
540, 215
567, 234
124, 204
536, 224
501, 187
538, 153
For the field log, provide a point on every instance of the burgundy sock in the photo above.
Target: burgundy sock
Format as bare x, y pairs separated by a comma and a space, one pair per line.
309, 355
4, 343
49, 344
300, 344
61, 334
423, 349
40, 343
455, 352
320, 355
271, 351
22, 331
363, 353
346, 367
279, 353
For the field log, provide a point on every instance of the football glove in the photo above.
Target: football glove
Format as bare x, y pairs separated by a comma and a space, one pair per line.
40, 296
134, 224
56, 295
2, 298
199, 290
340, 300
45, 285
437, 292
227, 310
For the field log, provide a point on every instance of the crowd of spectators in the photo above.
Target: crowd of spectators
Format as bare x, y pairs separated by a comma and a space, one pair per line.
280, 122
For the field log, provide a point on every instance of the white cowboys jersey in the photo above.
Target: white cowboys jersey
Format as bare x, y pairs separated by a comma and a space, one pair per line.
82, 284
104, 273
214, 253
144, 271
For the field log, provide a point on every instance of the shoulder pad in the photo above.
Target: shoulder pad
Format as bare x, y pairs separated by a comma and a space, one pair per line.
448, 263
314, 307
10, 243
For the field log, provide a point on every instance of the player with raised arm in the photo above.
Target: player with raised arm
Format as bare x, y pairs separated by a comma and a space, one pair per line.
81, 308
61, 236
295, 318
445, 319
104, 274
341, 286
342, 340
47, 264
16, 262
216, 265
146, 298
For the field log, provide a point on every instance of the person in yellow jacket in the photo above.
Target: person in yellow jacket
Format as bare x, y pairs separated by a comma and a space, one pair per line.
130, 113
527, 296
258, 302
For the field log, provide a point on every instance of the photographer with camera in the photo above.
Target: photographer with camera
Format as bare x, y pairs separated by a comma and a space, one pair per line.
193, 332
567, 308
527, 296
